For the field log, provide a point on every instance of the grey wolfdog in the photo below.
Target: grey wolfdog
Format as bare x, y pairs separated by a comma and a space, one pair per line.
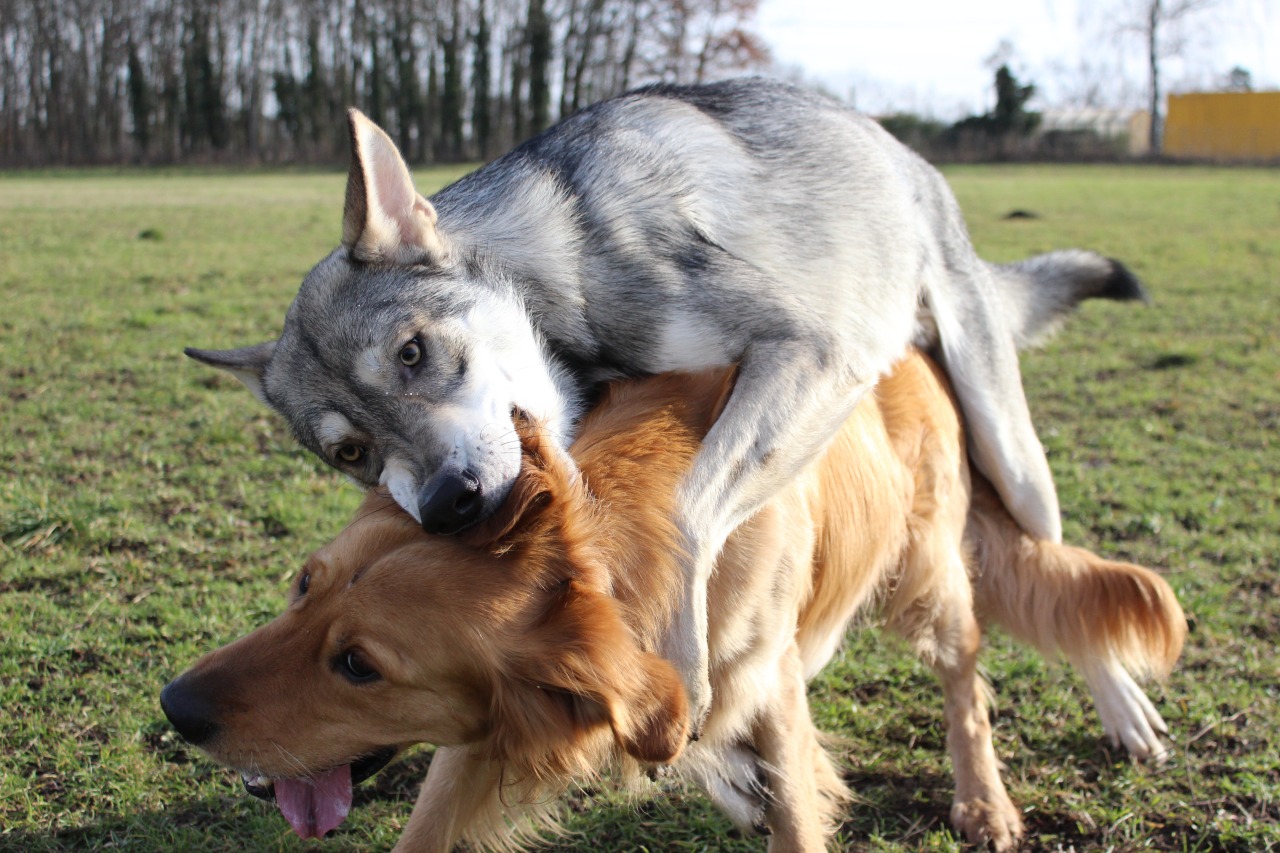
745, 222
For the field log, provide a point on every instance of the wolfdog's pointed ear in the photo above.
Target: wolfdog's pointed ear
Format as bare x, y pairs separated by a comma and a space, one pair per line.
385, 219
248, 364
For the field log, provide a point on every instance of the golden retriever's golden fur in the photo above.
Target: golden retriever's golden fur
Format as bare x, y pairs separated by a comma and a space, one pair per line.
526, 651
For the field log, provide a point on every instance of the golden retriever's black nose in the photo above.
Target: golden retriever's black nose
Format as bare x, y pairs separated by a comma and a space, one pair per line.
190, 712
450, 503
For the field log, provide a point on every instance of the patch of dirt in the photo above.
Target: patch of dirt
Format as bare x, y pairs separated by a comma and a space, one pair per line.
1172, 360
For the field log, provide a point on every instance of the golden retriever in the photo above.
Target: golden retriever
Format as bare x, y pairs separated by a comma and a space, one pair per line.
525, 650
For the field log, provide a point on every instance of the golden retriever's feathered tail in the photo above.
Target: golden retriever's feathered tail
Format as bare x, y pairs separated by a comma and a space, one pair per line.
1069, 600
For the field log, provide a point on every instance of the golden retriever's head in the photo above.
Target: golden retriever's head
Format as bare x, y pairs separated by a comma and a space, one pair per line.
507, 640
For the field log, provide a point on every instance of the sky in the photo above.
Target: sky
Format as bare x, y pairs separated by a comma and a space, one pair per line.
932, 57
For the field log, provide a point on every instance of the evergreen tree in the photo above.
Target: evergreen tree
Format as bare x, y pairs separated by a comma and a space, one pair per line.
1009, 121
1011, 114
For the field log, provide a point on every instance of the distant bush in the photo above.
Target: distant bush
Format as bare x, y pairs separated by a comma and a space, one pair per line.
1008, 132
922, 134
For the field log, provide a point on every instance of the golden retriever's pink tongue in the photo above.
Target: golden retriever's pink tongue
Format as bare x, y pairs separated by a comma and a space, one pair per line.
315, 806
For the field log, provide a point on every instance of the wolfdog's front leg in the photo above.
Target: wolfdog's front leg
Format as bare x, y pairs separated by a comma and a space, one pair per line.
789, 401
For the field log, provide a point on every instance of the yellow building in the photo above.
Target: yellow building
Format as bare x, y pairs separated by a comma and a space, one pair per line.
1224, 126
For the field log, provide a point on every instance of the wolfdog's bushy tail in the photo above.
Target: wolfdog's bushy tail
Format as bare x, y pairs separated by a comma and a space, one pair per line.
1038, 293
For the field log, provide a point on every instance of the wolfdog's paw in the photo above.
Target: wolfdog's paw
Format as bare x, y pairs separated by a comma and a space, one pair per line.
1128, 717
686, 647
740, 786
697, 687
995, 823
698, 716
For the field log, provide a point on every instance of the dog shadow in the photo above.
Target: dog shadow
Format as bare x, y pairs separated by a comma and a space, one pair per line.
910, 805
211, 824
897, 804
234, 821
904, 804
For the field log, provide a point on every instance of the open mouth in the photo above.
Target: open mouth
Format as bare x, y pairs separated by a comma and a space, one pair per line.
315, 805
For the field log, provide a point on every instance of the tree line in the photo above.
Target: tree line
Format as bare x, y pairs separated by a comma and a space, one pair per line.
168, 81
1003, 132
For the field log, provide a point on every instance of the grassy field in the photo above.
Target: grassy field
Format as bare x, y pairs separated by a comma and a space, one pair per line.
150, 511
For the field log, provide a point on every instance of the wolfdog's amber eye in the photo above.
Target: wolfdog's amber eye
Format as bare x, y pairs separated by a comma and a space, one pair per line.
350, 453
411, 353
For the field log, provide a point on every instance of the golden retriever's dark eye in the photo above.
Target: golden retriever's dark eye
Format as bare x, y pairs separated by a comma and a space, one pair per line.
356, 669
304, 583
411, 353
350, 453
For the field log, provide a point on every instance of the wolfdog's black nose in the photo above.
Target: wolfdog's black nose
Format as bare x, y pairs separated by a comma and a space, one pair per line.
189, 711
450, 503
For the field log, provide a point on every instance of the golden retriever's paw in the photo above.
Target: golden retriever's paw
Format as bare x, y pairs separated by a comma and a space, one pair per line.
996, 824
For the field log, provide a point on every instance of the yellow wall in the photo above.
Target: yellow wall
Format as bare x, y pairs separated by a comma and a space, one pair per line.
1224, 126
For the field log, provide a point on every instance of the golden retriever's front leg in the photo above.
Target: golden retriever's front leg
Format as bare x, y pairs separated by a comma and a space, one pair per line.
459, 797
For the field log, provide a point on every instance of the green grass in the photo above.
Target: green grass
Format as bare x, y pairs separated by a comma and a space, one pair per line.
150, 510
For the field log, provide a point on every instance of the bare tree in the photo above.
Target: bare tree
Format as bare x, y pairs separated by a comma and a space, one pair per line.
1160, 24
85, 81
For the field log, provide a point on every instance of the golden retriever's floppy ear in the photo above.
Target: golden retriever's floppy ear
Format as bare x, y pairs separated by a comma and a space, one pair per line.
579, 671
640, 694
547, 474
531, 494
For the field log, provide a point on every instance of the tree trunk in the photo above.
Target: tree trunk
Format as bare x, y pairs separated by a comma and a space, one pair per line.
451, 95
481, 82
1156, 131
539, 28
